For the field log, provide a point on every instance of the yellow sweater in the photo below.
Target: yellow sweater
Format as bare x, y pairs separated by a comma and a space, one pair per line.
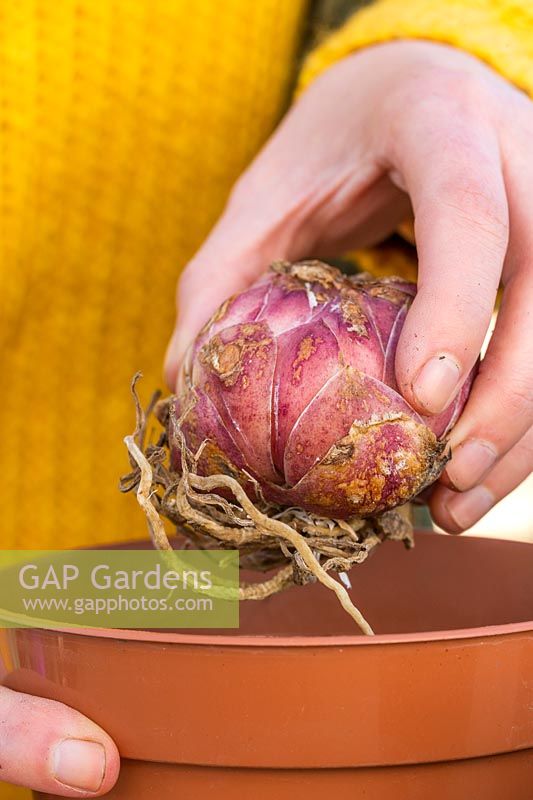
123, 124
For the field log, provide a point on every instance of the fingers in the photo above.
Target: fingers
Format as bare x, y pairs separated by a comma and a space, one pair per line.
500, 409
52, 748
455, 181
458, 511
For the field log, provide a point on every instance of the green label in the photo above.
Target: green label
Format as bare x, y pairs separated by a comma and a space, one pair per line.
119, 589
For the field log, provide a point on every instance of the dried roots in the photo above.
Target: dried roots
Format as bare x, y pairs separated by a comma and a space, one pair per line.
303, 546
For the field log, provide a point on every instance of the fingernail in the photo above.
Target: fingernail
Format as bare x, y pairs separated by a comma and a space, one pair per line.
79, 764
467, 508
437, 383
470, 463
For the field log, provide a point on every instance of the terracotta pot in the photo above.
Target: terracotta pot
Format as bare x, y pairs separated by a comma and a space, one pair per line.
296, 705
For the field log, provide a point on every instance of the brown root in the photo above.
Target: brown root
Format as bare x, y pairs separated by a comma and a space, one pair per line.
304, 546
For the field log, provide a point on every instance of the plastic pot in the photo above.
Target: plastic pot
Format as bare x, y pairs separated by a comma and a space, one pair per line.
296, 705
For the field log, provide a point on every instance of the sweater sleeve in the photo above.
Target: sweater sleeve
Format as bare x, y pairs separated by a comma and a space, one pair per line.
499, 32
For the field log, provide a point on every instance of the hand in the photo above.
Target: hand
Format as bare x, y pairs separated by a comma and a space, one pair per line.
399, 128
49, 747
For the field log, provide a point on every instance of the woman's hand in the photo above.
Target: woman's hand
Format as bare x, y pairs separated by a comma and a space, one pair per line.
51, 748
399, 128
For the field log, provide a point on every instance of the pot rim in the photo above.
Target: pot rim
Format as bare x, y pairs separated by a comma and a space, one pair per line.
273, 640
266, 640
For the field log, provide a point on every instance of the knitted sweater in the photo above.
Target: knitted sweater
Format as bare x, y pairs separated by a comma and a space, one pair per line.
123, 126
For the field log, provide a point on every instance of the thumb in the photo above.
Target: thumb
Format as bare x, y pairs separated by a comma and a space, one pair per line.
245, 241
295, 199
268, 217
49, 747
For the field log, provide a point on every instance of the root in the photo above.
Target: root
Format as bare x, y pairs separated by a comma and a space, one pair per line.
304, 547
258, 591
281, 530
144, 491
